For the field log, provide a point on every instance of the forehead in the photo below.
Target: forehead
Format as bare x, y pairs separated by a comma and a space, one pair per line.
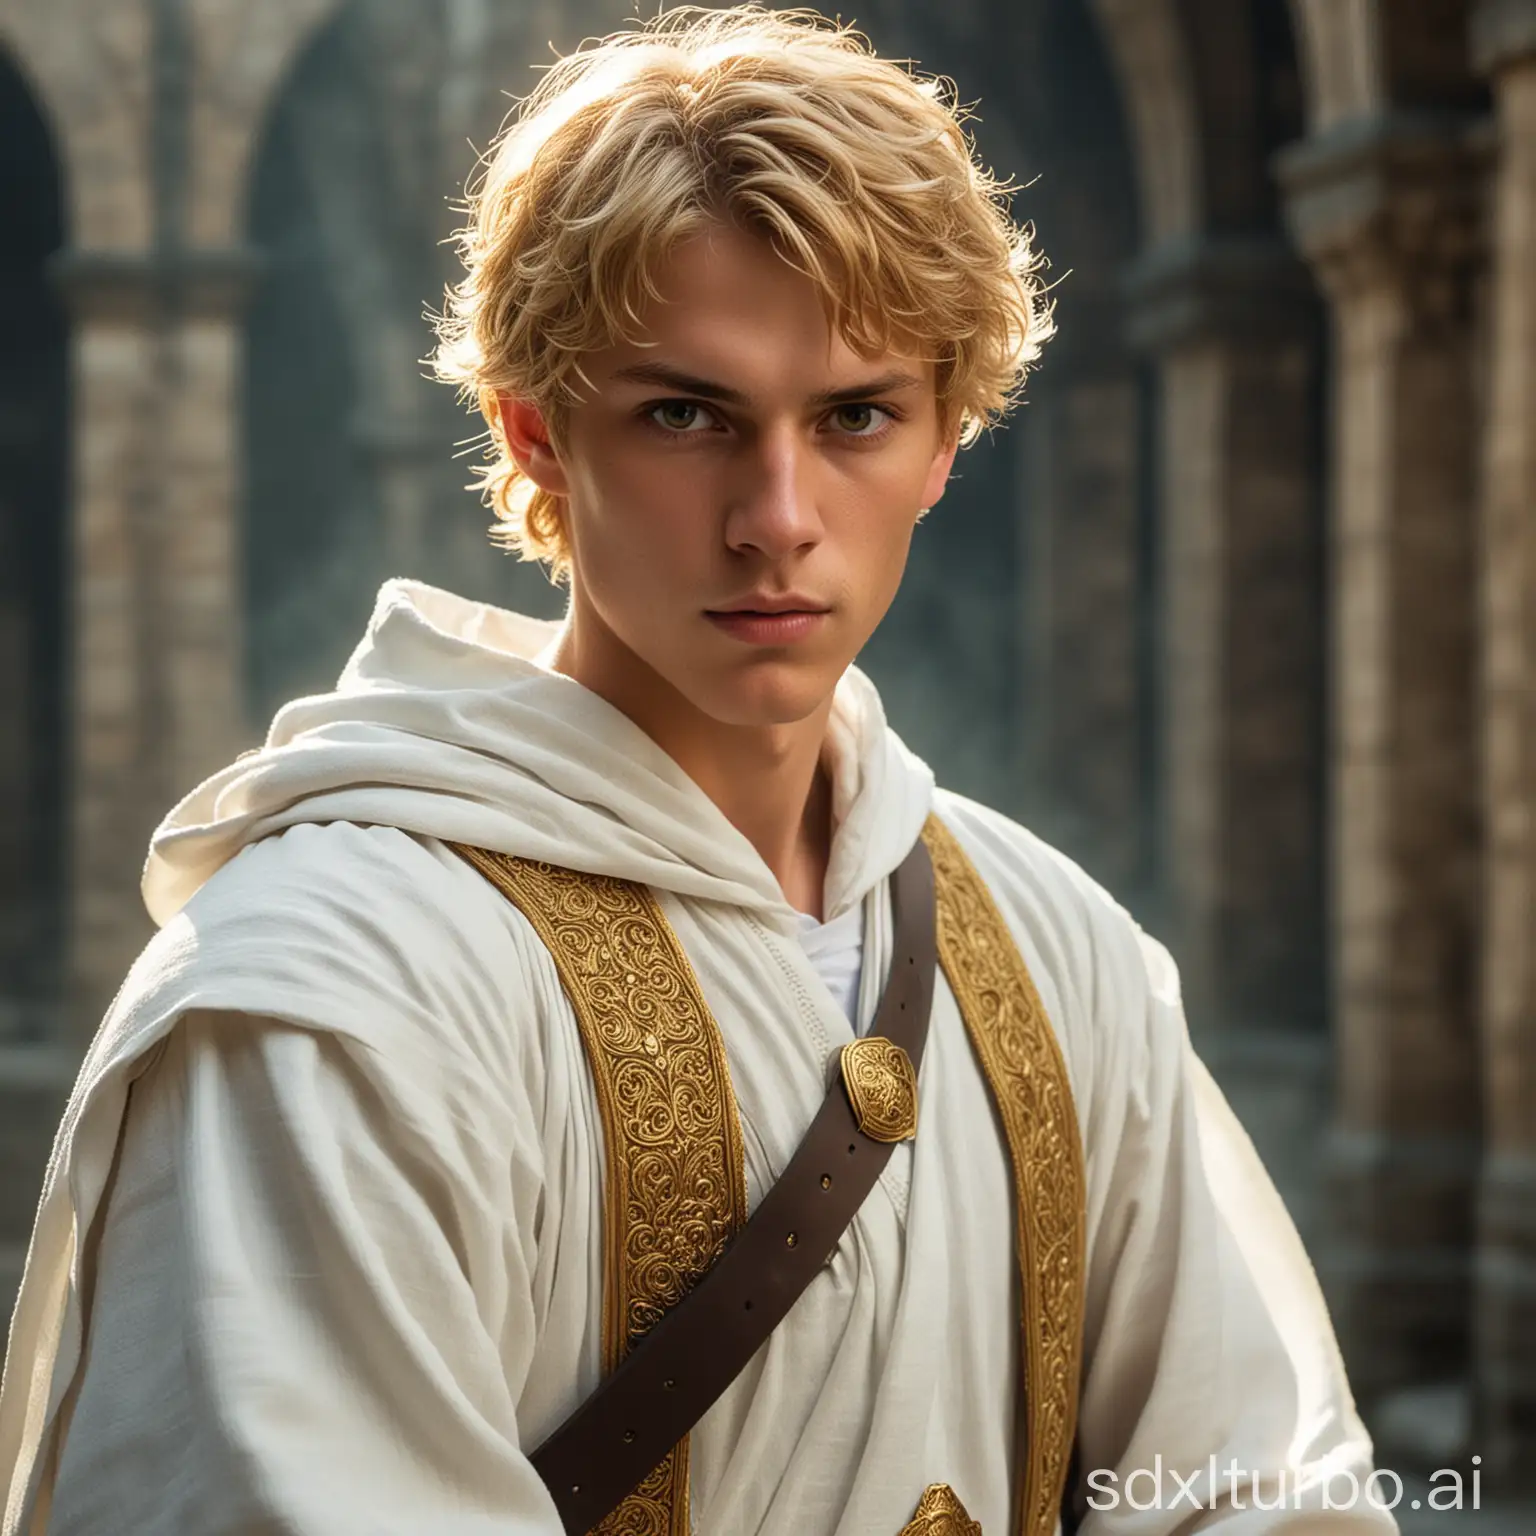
731, 307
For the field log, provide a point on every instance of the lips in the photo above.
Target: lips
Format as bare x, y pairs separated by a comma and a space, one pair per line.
765, 626
767, 603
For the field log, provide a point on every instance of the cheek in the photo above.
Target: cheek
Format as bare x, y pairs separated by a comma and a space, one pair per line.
890, 560
633, 535
877, 541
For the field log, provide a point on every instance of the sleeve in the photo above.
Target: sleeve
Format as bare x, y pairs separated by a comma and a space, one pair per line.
309, 1310
1214, 1397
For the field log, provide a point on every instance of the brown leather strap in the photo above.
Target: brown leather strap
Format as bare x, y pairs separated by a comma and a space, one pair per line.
671, 1377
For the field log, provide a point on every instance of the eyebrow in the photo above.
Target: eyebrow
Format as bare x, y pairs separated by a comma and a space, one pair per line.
690, 383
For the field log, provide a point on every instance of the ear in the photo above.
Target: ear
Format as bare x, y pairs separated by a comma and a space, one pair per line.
938, 470
525, 435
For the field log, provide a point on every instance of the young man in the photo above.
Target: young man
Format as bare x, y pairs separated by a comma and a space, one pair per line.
354, 1199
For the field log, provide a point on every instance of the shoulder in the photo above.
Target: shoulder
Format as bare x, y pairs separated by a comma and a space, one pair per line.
1110, 988
1082, 927
366, 932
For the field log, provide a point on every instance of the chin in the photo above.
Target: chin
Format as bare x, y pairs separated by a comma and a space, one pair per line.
761, 698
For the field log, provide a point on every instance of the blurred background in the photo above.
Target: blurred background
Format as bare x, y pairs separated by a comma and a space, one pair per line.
1239, 609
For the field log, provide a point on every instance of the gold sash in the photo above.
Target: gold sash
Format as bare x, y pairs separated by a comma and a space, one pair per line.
675, 1185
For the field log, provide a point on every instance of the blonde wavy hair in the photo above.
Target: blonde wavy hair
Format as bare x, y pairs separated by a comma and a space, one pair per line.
856, 169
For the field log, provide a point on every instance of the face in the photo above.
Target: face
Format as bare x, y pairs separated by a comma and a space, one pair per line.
740, 494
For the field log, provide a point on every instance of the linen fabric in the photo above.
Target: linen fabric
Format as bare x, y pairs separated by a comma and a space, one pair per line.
836, 952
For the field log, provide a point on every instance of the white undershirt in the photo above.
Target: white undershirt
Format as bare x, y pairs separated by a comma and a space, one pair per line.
836, 950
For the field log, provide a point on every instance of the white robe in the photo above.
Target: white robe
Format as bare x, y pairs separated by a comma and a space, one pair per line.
319, 1247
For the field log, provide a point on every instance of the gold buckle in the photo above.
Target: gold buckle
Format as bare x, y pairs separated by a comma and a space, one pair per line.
882, 1088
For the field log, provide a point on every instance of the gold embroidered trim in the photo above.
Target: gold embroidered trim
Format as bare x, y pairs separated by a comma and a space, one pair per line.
1023, 1064
940, 1513
675, 1187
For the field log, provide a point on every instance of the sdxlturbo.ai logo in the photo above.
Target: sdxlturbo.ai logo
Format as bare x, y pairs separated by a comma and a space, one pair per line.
1206, 1488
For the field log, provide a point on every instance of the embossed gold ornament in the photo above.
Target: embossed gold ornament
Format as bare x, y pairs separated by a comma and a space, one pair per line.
882, 1087
1027, 1074
940, 1513
674, 1187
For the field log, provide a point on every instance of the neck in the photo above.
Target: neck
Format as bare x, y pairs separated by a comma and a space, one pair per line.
769, 781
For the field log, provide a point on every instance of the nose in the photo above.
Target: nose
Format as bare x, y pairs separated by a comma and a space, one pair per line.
774, 513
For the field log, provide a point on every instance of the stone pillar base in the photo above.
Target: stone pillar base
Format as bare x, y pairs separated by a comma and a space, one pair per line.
1506, 1322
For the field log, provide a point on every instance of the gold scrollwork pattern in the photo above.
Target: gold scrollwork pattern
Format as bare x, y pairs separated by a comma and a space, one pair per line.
1023, 1064
940, 1513
675, 1181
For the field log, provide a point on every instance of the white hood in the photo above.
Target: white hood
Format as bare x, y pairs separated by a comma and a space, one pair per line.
444, 723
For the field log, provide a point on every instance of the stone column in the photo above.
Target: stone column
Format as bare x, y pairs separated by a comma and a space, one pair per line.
1229, 326
1082, 610
202, 620
1388, 214
1504, 37
156, 622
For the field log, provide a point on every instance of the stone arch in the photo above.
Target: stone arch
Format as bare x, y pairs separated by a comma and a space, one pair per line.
25, 81
1247, 93
242, 54
1361, 58
92, 67
353, 462
88, 71
1149, 49
33, 565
